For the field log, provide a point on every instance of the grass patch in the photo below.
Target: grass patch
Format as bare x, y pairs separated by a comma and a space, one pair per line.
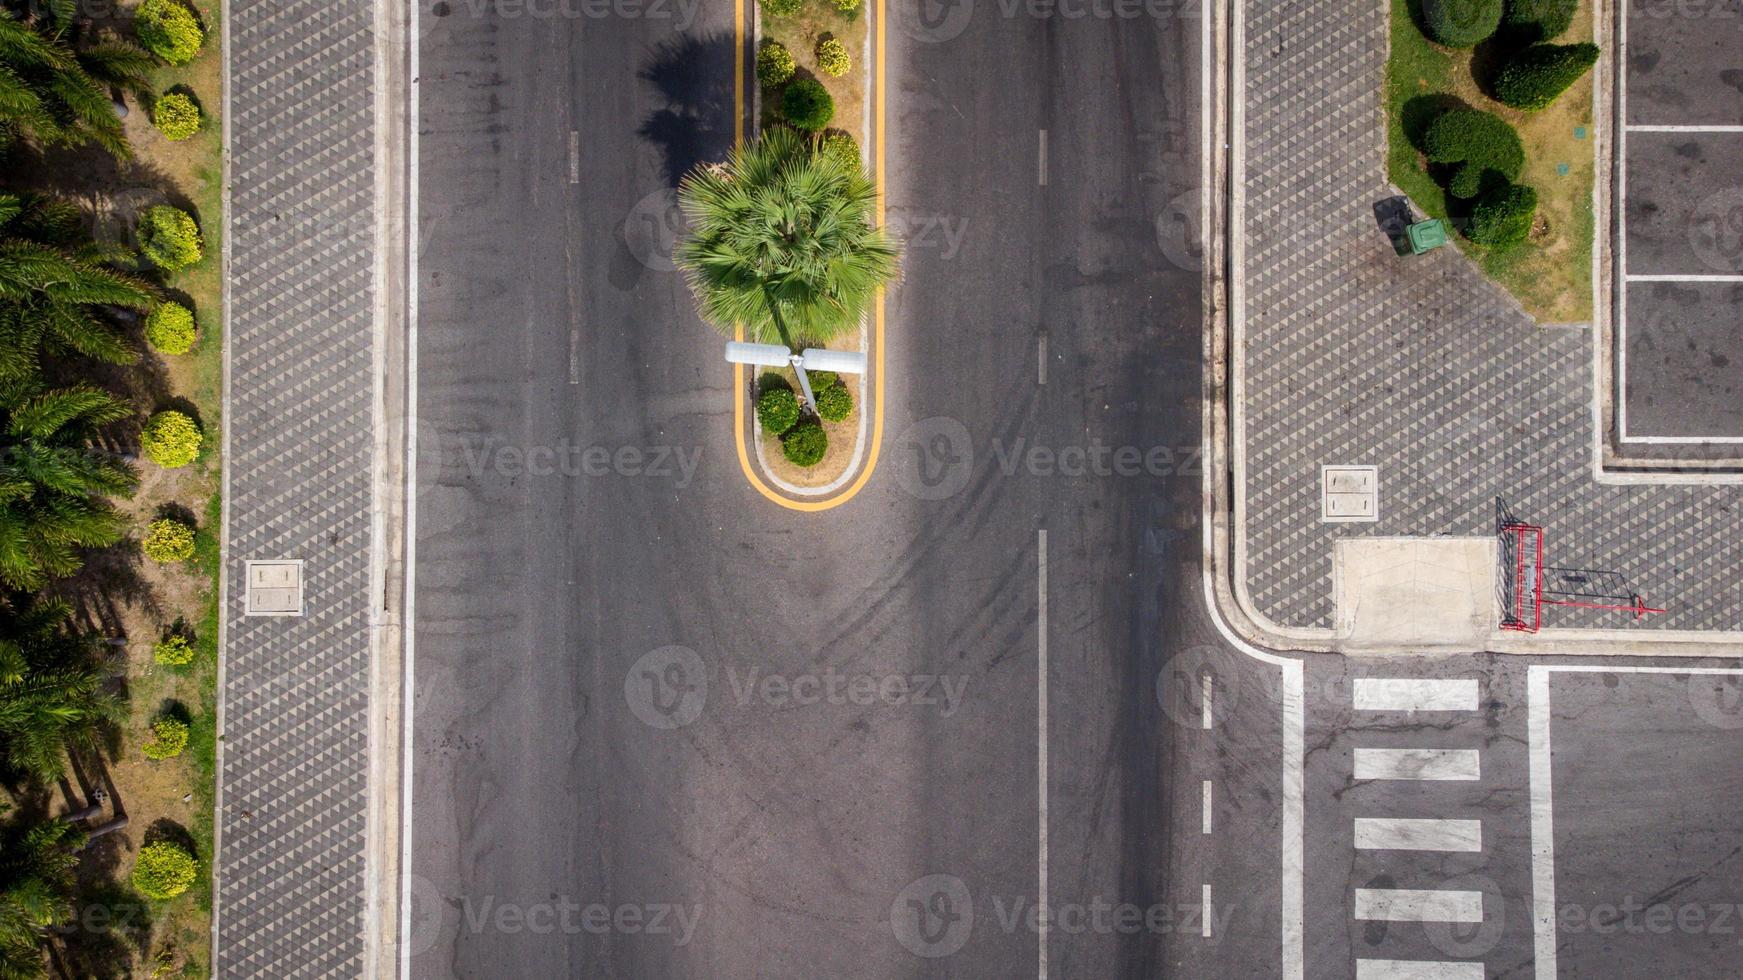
1551, 274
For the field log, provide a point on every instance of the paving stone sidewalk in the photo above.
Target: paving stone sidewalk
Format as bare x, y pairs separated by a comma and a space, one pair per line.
1421, 367
294, 774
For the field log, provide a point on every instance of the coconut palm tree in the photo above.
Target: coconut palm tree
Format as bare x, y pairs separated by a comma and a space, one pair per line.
56, 92
781, 241
36, 887
55, 286
53, 484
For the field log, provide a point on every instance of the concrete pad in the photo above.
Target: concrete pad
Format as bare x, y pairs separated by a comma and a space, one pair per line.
1415, 591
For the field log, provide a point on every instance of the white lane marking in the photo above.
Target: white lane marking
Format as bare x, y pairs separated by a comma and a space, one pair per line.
1042, 160
1655, 277
1417, 970
1412, 694
1643, 128
1683, 440
1401, 834
1041, 359
1205, 914
574, 157
1417, 764
1207, 686
408, 629
1207, 809
574, 353
1041, 748
1542, 823
1418, 905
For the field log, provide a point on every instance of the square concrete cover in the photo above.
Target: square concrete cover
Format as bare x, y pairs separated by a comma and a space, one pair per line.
1415, 591
275, 588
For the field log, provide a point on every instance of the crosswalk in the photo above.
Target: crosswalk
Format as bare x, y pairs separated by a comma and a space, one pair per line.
1382, 832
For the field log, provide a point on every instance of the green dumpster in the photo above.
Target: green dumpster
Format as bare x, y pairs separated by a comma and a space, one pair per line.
1425, 235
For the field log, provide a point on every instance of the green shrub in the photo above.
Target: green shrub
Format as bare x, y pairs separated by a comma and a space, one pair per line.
805, 443
834, 403
832, 57
1483, 148
777, 410
848, 7
839, 144
822, 379
169, 328
173, 651
168, 738
169, 238
781, 8
176, 117
170, 439
169, 30
1539, 75
775, 63
1531, 21
163, 870
1502, 218
167, 540
1461, 23
806, 105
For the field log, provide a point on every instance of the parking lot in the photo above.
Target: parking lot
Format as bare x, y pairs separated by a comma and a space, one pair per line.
1680, 199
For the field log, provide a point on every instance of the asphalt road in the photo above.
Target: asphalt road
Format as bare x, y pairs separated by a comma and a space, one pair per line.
640, 687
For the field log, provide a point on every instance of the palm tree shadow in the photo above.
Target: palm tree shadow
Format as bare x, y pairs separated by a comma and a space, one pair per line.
694, 76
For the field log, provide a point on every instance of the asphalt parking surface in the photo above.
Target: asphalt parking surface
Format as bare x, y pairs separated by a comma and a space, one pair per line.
1685, 359
1683, 67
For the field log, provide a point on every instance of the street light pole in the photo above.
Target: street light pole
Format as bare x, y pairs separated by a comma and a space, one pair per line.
777, 355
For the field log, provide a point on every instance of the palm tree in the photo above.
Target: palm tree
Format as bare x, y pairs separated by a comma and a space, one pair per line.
53, 694
55, 92
53, 484
54, 284
36, 887
781, 241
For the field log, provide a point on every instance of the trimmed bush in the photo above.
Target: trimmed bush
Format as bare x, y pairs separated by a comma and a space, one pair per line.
168, 738
848, 7
1461, 23
169, 328
167, 540
1531, 21
1483, 148
1503, 217
839, 144
170, 439
806, 105
176, 117
169, 238
173, 651
805, 443
822, 379
777, 410
832, 57
163, 870
169, 30
834, 403
775, 63
1539, 75
781, 8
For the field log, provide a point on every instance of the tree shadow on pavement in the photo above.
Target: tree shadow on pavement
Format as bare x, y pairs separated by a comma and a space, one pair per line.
694, 76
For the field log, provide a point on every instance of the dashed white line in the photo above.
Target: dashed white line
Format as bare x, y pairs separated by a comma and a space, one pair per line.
1041, 175
574, 157
1206, 691
1041, 747
1387, 834
1041, 359
1417, 764
1207, 914
1207, 807
1413, 694
1418, 905
1417, 970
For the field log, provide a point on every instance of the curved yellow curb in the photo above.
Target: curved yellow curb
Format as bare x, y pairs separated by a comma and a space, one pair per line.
738, 382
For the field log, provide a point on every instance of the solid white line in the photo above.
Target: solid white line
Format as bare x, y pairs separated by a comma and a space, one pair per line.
1042, 175
1542, 823
1654, 277
1041, 748
1205, 914
1418, 905
1206, 686
1417, 970
1412, 694
1619, 383
409, 628
1417, 764
1683, 440
1400, 834
1639, 128
1207, 808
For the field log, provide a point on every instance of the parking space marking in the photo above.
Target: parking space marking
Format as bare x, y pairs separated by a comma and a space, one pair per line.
1418, 764
1639, 128
1403, 834
1417, 970
1414, 694
1418, 905
1660, 277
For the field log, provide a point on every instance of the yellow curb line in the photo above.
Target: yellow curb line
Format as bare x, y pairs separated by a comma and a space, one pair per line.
738, 382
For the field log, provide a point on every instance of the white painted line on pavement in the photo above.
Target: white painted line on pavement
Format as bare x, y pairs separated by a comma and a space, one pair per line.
574, 157
1207, 810
408, 630
1418, 905
1207, 685
1205, 914
1041, 359
1417, 970
1041, 748
1653, 277
1640, 128
1417, 764
1400, 834
1412, 694
1542, 823
1042, 168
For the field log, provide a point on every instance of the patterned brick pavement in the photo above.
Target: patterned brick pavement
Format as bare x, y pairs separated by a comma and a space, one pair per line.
1421, 367
294, 772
